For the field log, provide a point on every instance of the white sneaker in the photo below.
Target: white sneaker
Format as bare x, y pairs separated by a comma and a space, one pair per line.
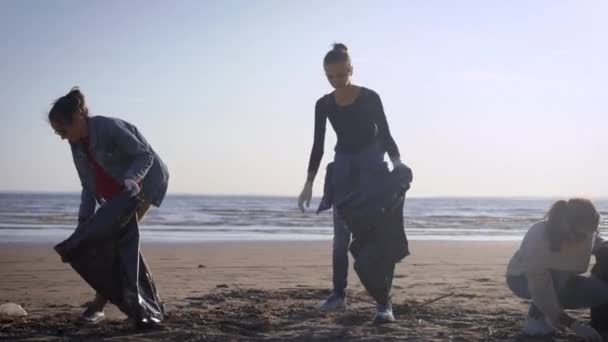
92, 316
334, 302
537, 327
384, 314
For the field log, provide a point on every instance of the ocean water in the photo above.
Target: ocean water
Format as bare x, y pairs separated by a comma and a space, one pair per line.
49, 218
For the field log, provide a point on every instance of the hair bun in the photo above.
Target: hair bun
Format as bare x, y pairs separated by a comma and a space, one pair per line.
75, 92
76, 97
340, 47
338, 54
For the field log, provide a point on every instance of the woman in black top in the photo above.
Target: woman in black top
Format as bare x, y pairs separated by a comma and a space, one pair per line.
355, 113
363, 136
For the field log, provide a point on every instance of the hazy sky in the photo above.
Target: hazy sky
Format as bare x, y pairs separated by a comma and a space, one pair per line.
499, 98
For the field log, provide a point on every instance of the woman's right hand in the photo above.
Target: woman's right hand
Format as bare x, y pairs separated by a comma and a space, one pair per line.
305, 196
586, 332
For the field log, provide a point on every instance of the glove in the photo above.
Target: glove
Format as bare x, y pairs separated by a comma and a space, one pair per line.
398, 164
130, 186
586, 332
305, 196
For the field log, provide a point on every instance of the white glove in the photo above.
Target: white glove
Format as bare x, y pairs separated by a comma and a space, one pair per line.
305, 196
131, 187
397, 163
586, 332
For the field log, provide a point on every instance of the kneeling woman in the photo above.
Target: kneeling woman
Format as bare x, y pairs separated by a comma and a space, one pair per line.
110, 156
547, 269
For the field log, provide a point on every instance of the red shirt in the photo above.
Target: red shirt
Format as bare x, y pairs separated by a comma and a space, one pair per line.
105, 185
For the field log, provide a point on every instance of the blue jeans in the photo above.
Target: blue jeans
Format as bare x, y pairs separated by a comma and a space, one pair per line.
342, 238
573, 291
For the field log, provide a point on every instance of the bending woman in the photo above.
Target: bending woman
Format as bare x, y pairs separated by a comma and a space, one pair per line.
110, 156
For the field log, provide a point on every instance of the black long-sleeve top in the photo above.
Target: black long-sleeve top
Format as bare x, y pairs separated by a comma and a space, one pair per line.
357, 126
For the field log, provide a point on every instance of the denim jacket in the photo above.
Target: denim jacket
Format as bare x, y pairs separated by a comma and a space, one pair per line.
123, 153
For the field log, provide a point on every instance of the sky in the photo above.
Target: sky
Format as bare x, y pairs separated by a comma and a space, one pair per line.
484, 98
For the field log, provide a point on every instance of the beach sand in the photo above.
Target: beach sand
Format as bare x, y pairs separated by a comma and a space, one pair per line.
267, 291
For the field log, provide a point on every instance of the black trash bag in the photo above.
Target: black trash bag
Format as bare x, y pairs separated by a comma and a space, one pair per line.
104, 251
599, 314
375, 214
375, 270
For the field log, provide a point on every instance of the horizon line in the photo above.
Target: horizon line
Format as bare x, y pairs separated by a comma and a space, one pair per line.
52, 192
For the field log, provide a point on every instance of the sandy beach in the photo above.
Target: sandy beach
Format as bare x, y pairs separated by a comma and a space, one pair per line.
444, 291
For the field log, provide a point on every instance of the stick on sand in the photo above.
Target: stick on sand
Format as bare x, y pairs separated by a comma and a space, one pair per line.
436, 299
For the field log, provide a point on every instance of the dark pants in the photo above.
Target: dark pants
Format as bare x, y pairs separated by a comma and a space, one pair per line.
573, 291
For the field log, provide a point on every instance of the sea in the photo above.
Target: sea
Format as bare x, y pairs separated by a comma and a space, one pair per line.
51, 217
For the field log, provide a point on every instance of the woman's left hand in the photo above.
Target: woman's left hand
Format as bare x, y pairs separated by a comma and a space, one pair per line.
398, 164
131, 187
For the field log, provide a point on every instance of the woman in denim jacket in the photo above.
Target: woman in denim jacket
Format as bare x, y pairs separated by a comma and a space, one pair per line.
110, 156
